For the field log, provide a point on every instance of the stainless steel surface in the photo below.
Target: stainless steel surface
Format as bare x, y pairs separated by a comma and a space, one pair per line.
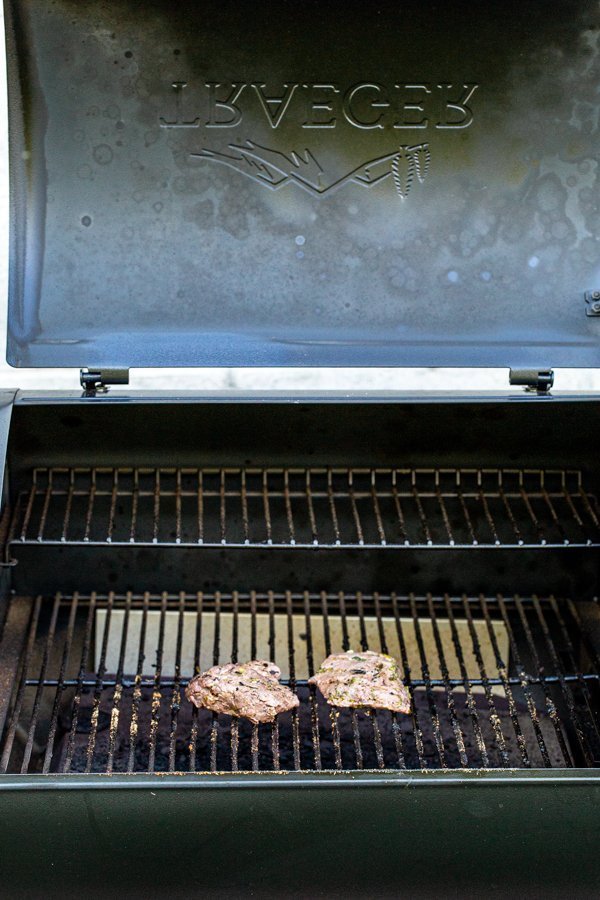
332, 507
498, 683
194, 187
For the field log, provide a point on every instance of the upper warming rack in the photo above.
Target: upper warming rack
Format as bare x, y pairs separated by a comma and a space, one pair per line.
307, 507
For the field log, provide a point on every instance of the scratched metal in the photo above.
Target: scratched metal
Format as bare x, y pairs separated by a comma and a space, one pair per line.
341, 184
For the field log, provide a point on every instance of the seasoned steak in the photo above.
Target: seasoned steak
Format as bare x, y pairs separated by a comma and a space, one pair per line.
248, 690
362, 678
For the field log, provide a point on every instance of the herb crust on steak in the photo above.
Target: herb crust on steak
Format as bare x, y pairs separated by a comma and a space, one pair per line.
250, 690
362, 679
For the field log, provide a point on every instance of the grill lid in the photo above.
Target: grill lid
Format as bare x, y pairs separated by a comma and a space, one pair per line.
324, 184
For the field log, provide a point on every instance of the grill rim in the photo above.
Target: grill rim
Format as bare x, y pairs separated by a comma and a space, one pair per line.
305, 777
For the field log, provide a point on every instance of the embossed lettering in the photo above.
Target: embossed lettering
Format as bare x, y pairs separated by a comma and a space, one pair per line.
352, 98
178, 122
367, 105
275, 107
459, 106
318, 105
228, 105
408, 106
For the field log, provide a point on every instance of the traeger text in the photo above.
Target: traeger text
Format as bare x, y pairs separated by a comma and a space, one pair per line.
366, 105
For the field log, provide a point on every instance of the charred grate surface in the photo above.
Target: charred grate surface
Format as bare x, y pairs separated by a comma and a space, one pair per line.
495, 683
307, 507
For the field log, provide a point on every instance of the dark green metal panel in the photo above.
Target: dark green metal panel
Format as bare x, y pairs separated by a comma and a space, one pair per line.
421, 835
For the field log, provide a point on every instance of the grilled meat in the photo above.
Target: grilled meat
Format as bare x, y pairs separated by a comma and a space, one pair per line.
364, 678
248, 690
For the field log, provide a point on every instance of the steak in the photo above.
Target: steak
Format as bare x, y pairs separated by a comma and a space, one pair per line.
249, 690
365, 678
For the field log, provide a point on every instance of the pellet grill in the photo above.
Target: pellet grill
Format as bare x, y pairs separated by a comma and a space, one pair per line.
321, 185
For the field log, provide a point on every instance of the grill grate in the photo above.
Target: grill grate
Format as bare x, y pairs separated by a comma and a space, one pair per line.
308, 507
495, 683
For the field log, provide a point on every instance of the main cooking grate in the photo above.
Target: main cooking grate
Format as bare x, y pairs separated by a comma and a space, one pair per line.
307, 507
494, 683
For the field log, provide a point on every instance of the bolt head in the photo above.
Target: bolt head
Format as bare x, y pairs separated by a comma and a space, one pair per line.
595, 295
596, 307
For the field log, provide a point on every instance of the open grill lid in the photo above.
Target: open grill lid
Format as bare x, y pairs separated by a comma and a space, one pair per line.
303, 184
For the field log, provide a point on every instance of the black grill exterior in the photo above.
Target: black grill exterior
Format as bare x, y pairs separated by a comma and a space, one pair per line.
301, 185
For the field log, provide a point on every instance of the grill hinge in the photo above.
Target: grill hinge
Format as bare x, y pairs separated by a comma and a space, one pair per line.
533, 380
96, 381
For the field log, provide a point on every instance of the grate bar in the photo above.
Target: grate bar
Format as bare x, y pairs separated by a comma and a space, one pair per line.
167, 681
332, 509
384, 649
214, 730
245, 515
235, 731
137, 687
311, 510
113, 507
334, 714
79, 684
288, 508
156, 692
433, 712
176, 692
272, 654
200, 508
98, 686
487, 512
292, 680
60, 686
465, 512
443, 509
353, 714
377, 510
399, 512
314, 708
409, 684
197, 671
118, 691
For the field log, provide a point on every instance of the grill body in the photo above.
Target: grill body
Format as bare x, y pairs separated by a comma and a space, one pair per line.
148, 536
331, 185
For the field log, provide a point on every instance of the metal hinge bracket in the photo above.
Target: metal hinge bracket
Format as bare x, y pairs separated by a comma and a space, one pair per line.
96, 381
533, 380
592, 299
